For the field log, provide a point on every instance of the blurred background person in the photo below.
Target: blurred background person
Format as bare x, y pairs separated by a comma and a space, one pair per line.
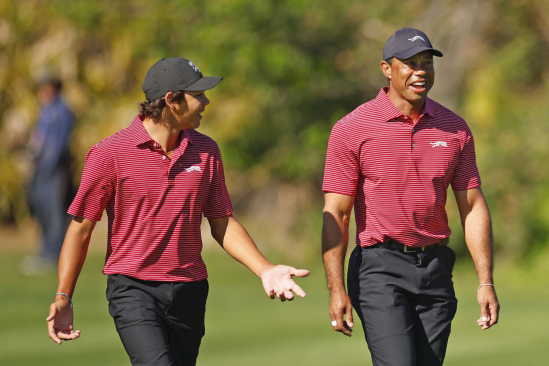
48, 187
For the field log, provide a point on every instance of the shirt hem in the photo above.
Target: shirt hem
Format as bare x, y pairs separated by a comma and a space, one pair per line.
148, 278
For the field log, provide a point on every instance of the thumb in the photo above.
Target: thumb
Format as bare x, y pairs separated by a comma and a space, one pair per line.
53, 313
299, 272
349, 315
484, 313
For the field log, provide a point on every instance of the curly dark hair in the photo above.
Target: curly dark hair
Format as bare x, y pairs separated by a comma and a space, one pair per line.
153, 109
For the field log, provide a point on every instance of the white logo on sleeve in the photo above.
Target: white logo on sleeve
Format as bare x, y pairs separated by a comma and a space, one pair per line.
194, 168
439, 143
416, 38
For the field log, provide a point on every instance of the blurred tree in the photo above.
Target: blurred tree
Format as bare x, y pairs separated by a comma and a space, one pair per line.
291, 68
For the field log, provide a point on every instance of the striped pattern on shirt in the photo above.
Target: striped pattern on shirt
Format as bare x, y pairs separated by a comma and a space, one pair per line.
154, 204
398, 171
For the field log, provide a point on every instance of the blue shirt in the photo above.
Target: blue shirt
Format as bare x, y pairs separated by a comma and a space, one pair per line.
51, 136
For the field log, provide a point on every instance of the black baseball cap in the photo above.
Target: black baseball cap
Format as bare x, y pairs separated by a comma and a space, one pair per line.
407, 42
175, 74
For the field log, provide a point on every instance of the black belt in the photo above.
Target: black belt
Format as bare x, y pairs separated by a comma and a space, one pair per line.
395, 245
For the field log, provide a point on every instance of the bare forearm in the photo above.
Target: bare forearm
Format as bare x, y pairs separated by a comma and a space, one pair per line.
236, 241
478, 236
335, 237
73, 254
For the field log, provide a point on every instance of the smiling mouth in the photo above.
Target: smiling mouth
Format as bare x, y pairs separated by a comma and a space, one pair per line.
418, 86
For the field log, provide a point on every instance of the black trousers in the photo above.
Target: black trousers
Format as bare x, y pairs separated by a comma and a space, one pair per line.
159, 323
406, 303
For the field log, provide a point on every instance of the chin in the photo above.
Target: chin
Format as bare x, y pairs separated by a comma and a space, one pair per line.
413, 97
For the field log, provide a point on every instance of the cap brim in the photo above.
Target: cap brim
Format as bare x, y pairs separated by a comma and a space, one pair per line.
206, 83
413, 51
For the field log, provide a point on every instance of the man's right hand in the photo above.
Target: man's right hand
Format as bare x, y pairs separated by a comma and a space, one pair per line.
340, 304
60, 321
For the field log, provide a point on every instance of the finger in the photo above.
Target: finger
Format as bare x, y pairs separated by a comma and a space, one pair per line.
289, 295
67, 336
349, 315
335, 324
348, 330
52, 334
494, 314
345, 329
484, 312
299, 272
271, 293
341, 325
281, 296
298, 290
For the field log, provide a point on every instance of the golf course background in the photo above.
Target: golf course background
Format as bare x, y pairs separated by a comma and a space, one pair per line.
291, 69
245, 327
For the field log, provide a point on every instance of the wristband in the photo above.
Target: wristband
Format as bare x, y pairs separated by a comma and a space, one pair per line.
63, 294
485, 284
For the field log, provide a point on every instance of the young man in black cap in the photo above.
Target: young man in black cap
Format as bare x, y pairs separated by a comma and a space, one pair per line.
156, 179
394, 158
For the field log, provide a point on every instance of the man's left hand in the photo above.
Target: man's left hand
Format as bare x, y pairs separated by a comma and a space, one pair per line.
278, 282
489, 307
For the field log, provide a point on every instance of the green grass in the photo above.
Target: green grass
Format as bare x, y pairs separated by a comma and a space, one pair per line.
244, 327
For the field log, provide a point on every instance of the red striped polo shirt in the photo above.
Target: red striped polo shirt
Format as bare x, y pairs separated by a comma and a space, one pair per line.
398, 171
154, 204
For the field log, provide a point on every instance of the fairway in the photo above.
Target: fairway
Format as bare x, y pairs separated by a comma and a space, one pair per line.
244, 327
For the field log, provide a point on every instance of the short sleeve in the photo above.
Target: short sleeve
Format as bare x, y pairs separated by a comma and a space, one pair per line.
218, 203
96, 187
341, 171
466, 175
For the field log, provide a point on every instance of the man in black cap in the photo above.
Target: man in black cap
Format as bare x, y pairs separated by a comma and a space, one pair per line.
156, 179
394, 158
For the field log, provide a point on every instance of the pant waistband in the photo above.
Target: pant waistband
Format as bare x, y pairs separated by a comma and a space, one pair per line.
395, 245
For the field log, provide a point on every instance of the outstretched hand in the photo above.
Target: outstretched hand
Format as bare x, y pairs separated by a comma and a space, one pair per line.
60, 321
278, 282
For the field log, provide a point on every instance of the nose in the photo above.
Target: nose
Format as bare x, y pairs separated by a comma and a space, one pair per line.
205, 100
420, 71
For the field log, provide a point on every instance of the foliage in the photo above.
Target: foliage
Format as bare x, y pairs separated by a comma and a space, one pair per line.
291, 68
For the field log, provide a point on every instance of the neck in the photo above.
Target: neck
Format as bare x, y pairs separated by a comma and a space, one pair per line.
163, 132
412, 109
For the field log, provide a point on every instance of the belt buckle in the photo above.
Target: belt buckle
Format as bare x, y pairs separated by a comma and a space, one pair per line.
408, 249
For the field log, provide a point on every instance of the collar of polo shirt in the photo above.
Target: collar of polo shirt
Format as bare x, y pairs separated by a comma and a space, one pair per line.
140, 135
393, 114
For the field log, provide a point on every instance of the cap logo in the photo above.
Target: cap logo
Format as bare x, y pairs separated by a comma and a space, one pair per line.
416, 38
194, 66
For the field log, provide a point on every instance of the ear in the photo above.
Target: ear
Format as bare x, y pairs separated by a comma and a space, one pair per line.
386, 69
168, 99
